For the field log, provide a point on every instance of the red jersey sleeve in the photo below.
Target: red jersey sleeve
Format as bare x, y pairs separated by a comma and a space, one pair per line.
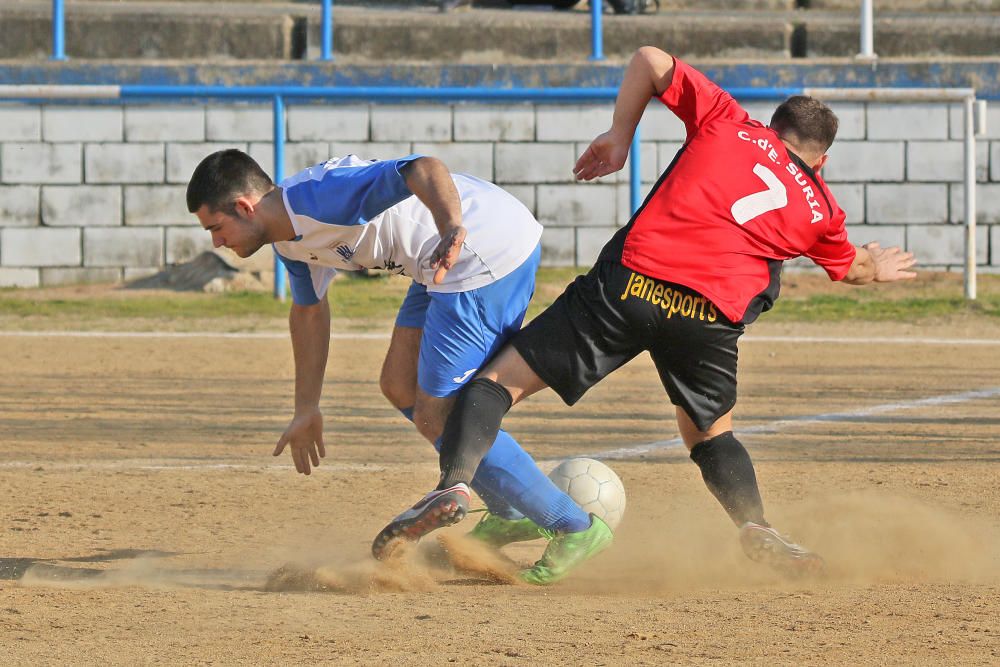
833, 251
697, 100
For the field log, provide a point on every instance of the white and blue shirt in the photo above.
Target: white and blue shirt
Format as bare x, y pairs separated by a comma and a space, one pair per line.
351, 214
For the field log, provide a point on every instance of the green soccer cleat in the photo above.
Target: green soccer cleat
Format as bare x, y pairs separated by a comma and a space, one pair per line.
566, 551
496, 531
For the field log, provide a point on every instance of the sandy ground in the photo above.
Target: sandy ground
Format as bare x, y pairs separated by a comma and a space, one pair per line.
143, 515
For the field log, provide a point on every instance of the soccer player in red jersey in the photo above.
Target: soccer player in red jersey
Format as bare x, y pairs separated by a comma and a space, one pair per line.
699, 260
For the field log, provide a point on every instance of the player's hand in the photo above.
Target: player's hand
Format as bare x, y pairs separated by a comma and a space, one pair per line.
605, 155
446, 253
304, 437
891, 263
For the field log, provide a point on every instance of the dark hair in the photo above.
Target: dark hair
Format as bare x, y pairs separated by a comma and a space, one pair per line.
805, 122
222, 177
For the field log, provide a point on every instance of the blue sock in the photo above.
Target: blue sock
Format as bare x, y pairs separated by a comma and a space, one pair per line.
509, 472
511, 484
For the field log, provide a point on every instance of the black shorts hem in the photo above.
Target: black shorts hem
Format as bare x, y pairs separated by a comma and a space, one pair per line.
699, 420
568, 397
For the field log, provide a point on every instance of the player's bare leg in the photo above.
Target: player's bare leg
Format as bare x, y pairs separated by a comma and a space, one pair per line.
728, 472
430, 413
398, 380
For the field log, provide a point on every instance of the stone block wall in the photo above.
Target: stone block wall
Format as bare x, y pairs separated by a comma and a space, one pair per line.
96, 193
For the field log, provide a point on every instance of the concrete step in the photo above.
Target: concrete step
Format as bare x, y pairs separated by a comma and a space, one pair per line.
189, 30
901, 36
158, 30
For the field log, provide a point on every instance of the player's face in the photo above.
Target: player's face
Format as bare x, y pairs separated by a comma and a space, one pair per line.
239, 232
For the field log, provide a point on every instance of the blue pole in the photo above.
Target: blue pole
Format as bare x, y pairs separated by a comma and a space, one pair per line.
596, 30
635, 172
327, 22
58, 30
280, 277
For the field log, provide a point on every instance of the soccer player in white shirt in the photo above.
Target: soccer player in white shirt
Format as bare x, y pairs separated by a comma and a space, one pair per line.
471, 249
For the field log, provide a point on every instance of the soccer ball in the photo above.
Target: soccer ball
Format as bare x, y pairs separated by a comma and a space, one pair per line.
594, 486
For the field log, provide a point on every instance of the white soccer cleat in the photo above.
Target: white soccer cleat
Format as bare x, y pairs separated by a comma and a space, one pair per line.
764, 544
439, 508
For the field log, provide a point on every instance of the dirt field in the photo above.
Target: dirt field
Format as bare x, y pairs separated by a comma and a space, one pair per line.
143, 514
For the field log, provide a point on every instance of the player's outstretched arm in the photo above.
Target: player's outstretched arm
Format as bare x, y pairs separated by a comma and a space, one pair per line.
873, 263
429, 179
648, 74
310, 330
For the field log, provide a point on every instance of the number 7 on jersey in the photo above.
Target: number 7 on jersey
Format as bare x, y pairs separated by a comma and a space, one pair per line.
756, 204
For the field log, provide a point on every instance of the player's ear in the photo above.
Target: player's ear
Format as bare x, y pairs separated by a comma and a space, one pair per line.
820, 162
244, 207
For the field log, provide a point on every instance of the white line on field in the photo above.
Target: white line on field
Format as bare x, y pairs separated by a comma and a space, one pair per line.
889, 340
622, 453
782, 424
274, 335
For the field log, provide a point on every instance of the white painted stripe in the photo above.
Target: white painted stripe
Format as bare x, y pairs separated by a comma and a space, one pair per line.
269, 335
880, 340
784, 424
619, 454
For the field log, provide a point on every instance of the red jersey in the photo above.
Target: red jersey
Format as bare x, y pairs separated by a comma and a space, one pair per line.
732, 205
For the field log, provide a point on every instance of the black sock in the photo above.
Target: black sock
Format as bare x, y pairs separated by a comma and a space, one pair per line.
728, 473
471, 429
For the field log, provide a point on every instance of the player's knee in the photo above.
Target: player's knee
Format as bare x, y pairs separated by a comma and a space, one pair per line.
394, 392
429, 421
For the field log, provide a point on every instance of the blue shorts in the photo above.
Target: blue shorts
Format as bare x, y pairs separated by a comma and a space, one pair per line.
462, 330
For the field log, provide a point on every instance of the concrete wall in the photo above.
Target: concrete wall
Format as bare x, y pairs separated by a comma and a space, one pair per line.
96, 193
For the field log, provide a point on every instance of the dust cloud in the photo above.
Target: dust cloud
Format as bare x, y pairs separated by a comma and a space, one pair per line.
416, 567
865, 538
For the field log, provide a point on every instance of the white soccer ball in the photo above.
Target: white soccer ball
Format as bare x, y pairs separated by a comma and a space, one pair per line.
594, 486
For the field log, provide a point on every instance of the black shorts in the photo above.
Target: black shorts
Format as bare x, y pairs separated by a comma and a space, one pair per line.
605, 318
